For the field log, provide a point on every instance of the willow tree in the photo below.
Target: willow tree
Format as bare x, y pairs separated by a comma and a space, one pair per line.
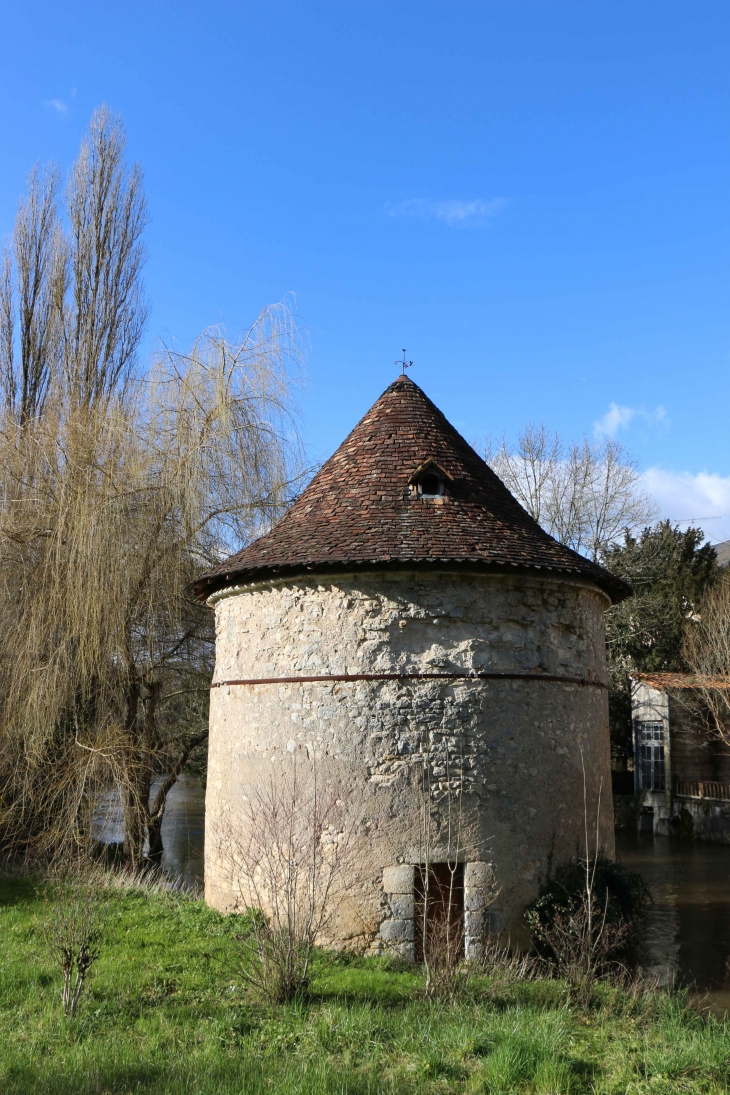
119, 484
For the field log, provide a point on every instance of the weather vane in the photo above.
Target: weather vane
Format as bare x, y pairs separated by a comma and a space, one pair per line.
404, 363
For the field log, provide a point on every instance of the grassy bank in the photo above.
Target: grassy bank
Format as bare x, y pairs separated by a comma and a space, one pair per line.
165, 1013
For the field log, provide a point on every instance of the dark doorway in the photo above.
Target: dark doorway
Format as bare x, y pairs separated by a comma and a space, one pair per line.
439, 890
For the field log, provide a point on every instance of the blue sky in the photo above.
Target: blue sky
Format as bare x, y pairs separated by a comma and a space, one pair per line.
532, 197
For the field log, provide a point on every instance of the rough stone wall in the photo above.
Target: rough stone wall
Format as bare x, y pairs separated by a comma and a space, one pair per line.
499, 762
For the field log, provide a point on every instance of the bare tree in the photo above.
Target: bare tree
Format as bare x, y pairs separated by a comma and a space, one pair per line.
78, 310
707, 653
118, 485
584, 495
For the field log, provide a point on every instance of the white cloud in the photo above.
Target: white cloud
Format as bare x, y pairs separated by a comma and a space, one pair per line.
451, 211
615, 419
56, 104
620, 418
685, 498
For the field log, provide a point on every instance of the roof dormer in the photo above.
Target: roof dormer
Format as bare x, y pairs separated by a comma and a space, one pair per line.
429, 480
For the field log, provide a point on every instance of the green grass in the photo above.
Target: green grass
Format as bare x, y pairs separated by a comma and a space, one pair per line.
165, 1014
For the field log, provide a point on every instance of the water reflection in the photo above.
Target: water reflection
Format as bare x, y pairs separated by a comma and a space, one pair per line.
687, 934
183, 828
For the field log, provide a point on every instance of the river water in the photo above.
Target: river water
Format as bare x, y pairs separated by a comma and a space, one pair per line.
687, 935
183, 828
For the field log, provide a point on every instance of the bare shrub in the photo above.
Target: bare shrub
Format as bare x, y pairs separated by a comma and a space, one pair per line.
286, 853
457, 964
74, 929
440, 911
582, 945
443, 937
580, 933
450, 970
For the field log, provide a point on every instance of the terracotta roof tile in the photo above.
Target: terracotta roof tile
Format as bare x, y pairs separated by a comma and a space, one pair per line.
360, 509
673, 682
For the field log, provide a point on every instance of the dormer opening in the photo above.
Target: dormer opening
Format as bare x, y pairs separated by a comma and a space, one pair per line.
430, 485
429, 481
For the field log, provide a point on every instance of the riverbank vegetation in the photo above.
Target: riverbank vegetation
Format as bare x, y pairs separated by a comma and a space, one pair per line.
164, 1012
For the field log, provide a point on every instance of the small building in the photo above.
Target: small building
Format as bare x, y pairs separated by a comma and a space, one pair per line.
681, 769
410, 630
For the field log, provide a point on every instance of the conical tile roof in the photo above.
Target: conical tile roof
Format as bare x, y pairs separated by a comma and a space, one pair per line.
361, 509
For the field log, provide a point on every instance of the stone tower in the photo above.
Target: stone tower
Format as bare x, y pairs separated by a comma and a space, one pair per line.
411, 629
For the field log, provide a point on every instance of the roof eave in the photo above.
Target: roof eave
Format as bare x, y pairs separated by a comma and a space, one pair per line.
615, 588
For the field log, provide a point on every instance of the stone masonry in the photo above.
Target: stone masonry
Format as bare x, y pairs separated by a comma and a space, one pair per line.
508, 752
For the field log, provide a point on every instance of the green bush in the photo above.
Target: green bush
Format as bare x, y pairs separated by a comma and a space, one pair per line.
623, 894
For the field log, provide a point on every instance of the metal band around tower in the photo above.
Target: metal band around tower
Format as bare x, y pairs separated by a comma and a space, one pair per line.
336, 677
